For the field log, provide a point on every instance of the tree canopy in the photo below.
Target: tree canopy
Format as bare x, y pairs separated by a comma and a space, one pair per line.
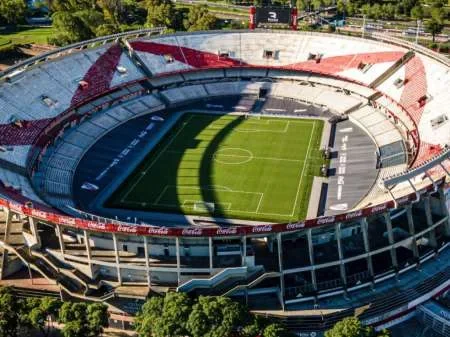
199, 18
207, 316
12, 11
352, 327
82, 319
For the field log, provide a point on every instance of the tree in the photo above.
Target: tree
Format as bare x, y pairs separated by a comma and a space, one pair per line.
341, 6
352, 327
417, 12
303, 5
71, 5
39, 313
12, 11
9, 315
97, 317
112, 10
161, 317
275, 330
161, 13
436, 24
434, 27
83, 320
216, 317
149, 313
74, 26
350, 8
254, 327
199, 18
133, 13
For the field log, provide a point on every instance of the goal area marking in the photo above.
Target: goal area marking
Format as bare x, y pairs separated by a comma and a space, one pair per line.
200, 205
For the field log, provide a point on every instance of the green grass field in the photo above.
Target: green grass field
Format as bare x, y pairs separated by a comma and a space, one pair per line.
24, 35
228, 166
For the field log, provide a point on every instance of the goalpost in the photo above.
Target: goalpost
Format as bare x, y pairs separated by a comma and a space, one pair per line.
201, 206
249, 115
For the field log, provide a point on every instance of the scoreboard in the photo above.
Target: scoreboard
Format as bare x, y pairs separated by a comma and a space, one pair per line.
273, 15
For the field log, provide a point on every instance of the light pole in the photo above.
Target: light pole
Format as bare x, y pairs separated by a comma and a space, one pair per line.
363, 26
417, 31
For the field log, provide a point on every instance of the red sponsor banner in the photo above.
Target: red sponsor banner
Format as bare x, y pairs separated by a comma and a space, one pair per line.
147, 230
294, 14
252, 19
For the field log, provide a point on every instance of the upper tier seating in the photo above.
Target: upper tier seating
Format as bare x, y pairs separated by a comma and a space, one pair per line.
377, 125
293, 51
34, 97
31, 99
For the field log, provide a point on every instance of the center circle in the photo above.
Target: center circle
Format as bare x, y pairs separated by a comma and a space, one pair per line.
232, 156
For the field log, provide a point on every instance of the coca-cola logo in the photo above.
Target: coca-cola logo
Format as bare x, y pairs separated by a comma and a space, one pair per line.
127, 229
353, 215
15, 207
39, 214
65, 220
96, 225
403, 200
227, 231
192, 232
294, 226
378, 208
158, 231
262, 229
325, 220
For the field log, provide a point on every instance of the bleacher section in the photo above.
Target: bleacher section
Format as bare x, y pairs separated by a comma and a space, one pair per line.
377, 125
55, 178
44, 92
315, 70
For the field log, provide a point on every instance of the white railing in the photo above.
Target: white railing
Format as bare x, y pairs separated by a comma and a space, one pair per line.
213, 281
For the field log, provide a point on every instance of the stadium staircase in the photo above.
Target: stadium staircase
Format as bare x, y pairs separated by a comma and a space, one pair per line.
252, 281
392, 69
134, 57
71, 282
221, 282
36, 293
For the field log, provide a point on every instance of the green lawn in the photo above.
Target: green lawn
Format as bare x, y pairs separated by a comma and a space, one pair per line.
24, 35
228, 166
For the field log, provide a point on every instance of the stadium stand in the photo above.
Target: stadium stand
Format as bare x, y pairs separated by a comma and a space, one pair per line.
66, 115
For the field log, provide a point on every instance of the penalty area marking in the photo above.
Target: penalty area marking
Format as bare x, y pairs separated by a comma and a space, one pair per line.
221, 188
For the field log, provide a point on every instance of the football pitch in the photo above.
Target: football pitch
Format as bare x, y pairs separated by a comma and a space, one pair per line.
228, 166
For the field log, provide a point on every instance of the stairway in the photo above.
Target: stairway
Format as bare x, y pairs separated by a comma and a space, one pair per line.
392, 69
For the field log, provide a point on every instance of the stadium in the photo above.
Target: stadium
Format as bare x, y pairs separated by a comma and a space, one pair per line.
305, 174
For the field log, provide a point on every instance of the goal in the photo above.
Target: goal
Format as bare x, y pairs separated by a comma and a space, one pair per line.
201, 206
252, 115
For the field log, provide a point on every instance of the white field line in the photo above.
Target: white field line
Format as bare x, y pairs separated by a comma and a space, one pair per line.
259, 203
242, 156
303, 169
223, 188
262, 158
193, 202
160, 195
155, 159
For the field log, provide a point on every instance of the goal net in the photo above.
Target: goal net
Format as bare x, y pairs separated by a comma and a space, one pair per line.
201, 206
252, 116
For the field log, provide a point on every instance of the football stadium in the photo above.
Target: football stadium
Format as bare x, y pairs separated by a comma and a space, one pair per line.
304, 174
